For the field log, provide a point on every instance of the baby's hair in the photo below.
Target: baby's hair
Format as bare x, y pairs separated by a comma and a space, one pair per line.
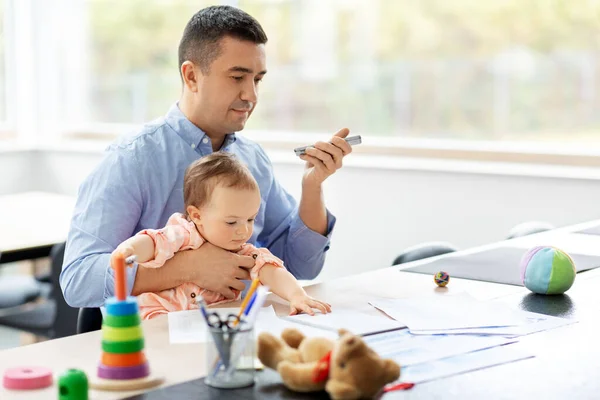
218, 168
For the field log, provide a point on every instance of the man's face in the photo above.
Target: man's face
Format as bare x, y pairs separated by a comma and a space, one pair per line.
228, 92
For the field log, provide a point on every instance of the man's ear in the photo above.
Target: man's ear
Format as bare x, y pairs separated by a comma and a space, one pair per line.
194, 213
190, 73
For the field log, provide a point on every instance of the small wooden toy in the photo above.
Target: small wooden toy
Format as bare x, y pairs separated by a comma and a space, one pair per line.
123, 364
441, 279
73, 385
27, 378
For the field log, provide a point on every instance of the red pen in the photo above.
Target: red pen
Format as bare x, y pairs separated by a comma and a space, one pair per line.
399, 386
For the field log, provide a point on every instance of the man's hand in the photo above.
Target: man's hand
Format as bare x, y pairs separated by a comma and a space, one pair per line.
324, 159
218, 270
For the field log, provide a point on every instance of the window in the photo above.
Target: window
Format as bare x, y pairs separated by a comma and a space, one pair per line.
3, 67
467, 69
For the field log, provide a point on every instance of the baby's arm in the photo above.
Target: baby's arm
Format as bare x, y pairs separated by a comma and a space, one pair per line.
142, 246
284, 285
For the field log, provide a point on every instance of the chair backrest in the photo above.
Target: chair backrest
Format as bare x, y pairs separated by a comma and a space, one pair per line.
424, 250
529, 228
89, 319
65, 323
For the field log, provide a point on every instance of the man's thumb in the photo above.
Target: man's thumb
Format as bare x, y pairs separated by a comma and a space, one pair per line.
342, 132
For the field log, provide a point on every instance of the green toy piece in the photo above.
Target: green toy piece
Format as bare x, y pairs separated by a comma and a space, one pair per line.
73, 385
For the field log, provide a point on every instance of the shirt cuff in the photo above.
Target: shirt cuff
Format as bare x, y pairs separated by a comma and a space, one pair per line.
109, 280
308, 242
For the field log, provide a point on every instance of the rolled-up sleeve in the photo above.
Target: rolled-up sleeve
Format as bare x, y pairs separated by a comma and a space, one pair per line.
108, 208
287, 237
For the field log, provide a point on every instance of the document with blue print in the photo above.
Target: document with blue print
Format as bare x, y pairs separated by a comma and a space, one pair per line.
463, 314
460, 364
408, 349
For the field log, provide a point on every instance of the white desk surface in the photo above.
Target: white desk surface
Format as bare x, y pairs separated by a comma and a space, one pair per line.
184, 362
34, 219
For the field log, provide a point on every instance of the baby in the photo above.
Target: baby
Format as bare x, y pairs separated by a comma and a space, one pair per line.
221, 200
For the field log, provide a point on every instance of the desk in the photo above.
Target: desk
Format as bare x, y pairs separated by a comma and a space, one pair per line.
31, 223
566, 362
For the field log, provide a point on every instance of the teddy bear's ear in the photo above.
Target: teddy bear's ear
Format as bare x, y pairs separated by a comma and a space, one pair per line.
391, 370
347, 346
342, 332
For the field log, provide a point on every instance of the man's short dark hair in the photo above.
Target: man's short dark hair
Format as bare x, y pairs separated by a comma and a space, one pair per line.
200, 40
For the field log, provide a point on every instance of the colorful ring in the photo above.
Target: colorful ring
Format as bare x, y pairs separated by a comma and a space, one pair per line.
117, 307
121, 321
123, 360
111, 334
130, 346
123, 373
27, 378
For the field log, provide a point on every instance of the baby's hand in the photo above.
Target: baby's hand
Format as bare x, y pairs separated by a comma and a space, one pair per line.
125, 250
305, 303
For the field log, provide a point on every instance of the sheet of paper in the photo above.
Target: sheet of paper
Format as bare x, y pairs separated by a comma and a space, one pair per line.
268, 321
354, 321
443, 312
535, 323
407, 349
189, 326
460, 364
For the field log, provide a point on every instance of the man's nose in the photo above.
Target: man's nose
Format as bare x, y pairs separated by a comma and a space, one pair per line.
250, 93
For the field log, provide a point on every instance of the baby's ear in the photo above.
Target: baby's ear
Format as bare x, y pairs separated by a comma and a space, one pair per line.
194, 213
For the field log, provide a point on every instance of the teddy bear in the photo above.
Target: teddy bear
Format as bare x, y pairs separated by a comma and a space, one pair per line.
345, 368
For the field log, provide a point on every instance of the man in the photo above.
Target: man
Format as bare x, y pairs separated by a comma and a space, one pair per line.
139, 182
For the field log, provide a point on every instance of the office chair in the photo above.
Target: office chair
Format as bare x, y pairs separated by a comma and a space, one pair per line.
89, 319
424, 250
47, 315
529, 228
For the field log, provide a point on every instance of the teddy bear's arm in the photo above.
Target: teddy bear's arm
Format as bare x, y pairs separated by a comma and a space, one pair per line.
299, 377
342, 391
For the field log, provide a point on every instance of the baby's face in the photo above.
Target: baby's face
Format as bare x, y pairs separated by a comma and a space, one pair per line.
227, 220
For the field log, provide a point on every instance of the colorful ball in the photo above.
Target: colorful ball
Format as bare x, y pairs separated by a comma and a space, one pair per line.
441, 279
547, 270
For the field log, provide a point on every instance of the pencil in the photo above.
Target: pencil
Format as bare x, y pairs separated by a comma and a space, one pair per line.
253, 286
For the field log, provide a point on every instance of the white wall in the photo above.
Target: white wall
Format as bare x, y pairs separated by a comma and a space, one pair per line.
384, 209
17, 172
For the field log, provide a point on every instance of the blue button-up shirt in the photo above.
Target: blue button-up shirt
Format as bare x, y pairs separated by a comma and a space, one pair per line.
139, 184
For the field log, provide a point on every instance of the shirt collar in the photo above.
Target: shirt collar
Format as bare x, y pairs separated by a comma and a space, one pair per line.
189, 132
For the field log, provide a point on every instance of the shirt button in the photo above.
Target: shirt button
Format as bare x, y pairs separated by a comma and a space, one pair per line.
193, 146
205, 140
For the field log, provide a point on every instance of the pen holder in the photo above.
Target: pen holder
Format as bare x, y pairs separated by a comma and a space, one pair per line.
230, 357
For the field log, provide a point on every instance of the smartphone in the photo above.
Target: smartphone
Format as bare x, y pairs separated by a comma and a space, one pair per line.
351, 140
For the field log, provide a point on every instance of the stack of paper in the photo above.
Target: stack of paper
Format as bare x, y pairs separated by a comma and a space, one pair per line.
429, 357
356, 322
463, 314
408, 349
461, 364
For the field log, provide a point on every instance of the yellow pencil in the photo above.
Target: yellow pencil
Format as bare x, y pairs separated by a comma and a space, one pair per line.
253, 286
